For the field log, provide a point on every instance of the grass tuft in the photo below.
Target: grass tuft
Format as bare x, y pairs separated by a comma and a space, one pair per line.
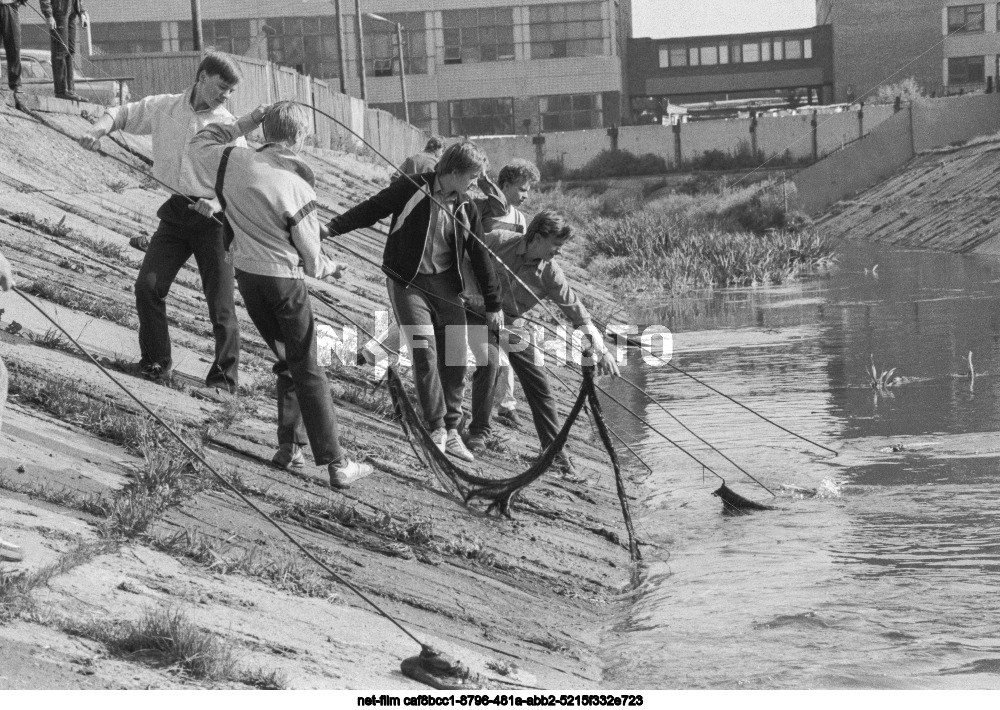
104, 308
165, 637
15, 589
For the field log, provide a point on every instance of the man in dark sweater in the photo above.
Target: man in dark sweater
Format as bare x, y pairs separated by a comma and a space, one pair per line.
63, 16
434, 224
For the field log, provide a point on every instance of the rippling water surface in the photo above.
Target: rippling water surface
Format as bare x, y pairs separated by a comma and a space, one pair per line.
889, 577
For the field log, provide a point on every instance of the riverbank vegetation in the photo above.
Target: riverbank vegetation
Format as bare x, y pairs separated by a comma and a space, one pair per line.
714, 235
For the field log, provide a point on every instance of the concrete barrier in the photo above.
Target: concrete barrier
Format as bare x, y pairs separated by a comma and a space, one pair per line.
924, 125
263, 83
941, 122
857, 167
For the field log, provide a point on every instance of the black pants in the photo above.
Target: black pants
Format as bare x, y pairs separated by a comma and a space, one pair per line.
10, 35
63, 41
280, 309
181, 233
524, 358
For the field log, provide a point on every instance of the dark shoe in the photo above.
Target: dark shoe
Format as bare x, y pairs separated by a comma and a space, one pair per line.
343, 476
218, 395
18, 97
564, 465
140, 243
154, 372
70, 96
289, 457
509, 418
476, 443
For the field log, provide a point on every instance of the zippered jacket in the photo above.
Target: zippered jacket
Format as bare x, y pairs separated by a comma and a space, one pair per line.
408, 203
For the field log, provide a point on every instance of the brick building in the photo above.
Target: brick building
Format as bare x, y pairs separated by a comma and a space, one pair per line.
949, 47
473, 67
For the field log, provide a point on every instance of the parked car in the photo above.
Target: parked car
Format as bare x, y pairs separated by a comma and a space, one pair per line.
36, 78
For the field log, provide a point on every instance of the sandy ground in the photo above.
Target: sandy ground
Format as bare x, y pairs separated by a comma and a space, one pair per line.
522, 601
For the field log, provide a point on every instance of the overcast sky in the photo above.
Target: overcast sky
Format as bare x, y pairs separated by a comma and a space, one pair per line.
685, 18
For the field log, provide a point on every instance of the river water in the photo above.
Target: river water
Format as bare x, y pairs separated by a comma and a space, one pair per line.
888, 577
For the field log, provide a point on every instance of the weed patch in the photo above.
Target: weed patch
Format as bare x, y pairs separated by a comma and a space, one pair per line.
15, 590
104, 308
285, 572
164, 638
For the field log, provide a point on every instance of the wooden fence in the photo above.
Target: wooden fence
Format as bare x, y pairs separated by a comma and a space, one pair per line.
264, 83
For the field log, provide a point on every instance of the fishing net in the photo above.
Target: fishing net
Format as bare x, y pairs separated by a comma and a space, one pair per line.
500, 493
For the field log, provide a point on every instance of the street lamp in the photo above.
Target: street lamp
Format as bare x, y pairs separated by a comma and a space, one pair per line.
399, 48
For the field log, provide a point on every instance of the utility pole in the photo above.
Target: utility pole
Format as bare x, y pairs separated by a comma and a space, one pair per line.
196, 25
402, 71
341, 55
361, 51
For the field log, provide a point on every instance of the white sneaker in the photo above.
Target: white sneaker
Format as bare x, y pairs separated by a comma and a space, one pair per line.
456, 447
440, 437
342, 477
9, 552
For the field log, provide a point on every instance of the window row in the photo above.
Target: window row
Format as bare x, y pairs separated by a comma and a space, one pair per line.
479, 117
310, 43
966, 70
683, 54
969, 18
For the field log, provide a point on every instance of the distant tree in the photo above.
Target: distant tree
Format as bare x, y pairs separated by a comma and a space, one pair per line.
907, 90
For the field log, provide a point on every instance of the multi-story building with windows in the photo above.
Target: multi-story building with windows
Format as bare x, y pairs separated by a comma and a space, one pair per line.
472, 67
947, 46
795, 65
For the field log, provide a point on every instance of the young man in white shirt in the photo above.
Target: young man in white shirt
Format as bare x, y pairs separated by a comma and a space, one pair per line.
187, 225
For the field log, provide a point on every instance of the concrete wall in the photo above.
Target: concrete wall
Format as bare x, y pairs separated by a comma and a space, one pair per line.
926, 124
696, 138
649, 139
775, 135
940, 122
857, 167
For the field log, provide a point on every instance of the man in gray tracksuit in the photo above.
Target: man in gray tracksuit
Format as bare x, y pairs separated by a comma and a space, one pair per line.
269, 200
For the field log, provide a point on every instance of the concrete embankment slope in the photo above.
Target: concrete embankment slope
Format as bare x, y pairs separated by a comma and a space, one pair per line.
530, 594
924, 125
942, 199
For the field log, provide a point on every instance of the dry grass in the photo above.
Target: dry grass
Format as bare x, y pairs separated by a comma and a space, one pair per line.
103, 308
165, 638
291, 573
15, 590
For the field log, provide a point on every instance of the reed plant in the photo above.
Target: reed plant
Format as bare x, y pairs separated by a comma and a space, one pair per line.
736, 236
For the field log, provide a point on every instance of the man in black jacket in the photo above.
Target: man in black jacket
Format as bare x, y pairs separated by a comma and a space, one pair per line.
434, 224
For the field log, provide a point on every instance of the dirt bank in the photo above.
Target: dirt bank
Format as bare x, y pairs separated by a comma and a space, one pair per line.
523, 600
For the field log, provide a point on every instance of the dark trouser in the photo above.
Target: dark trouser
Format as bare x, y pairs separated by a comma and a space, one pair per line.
485, 348
280, 309
433, 327
63, 40
10, 35
536, 389
181, 233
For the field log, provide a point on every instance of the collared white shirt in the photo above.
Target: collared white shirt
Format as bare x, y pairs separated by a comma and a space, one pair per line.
172, 122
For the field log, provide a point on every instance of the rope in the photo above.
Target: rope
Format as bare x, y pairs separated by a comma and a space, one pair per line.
219, 477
